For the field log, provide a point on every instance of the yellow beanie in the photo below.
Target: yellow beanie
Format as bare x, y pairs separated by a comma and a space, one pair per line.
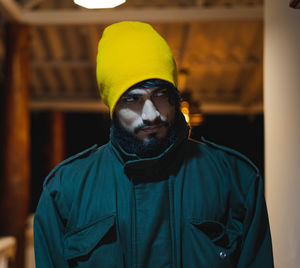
130, 52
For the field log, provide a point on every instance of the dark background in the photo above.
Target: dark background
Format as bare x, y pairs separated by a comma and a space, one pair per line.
242, 133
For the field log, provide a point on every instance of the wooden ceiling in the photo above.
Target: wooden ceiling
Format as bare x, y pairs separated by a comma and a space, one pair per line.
217, 44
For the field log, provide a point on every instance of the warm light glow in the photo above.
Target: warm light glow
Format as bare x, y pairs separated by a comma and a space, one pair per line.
185, 111
187, 118
99, 3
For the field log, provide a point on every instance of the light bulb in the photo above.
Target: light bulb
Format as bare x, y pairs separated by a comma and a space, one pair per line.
99, 3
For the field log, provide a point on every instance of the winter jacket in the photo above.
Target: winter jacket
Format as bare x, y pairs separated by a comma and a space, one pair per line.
195, 205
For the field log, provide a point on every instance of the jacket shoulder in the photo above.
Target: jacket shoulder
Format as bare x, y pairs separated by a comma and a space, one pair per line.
228, 152
84, 154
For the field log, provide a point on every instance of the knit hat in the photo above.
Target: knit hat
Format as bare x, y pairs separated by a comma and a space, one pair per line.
130, 52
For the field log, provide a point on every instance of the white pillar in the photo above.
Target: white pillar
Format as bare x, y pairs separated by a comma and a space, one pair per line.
282, 129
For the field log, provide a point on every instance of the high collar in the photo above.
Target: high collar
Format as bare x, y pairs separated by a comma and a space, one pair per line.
151, 168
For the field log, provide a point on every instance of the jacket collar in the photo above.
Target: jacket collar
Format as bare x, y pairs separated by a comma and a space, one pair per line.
152, 167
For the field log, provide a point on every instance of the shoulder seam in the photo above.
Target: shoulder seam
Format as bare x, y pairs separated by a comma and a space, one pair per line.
68, 160
232, 152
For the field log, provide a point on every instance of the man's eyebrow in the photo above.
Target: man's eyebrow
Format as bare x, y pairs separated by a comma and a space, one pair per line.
130, 94
160, 88
133, 93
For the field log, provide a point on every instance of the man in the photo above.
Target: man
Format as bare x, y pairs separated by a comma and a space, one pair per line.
151, 197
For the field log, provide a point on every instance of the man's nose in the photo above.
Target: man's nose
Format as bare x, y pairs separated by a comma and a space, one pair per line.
149, 112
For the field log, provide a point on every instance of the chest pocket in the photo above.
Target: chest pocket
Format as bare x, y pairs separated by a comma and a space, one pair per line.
213, 243
94, 245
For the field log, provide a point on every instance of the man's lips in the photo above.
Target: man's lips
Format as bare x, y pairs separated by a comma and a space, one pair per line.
151, 129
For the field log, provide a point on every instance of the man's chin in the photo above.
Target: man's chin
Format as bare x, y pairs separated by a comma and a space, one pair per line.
146, 141
142, 145
149, 145
145, 138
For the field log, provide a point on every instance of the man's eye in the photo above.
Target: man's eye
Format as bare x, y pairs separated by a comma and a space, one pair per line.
130, 98
161, 93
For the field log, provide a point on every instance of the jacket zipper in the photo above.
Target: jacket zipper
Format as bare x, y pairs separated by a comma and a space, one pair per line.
133, 228
172, 221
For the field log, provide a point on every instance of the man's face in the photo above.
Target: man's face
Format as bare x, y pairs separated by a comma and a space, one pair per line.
145, 112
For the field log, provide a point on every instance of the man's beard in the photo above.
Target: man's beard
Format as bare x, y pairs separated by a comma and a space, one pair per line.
153, 146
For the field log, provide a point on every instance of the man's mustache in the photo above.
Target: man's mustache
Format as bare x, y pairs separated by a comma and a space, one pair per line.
150, 124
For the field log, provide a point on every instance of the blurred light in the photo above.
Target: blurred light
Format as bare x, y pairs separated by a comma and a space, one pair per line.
185, 111
193, 119
99, 3
196, 119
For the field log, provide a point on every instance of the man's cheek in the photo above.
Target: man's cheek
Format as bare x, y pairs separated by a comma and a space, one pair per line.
162, 133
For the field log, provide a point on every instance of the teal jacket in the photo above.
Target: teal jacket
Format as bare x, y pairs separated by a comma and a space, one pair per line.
195, 205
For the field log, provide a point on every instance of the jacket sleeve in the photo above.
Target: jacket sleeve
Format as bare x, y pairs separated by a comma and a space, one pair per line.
48, 233
257, 246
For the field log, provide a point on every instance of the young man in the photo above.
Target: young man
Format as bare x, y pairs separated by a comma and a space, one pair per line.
151, 197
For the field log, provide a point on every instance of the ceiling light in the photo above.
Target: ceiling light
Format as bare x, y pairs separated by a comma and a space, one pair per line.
99, 3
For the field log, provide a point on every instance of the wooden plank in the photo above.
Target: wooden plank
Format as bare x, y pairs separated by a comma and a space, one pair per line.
76, 17
68, 81
38, 50
41, 64
11, 10
72, 42
55, 43
84, 82
198, 41
93, 35
253, 88
47, 5
30, 4
176, 36
52, 82
36, 84
227, 80
248, 41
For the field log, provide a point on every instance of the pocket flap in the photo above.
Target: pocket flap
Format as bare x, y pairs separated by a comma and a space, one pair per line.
220, 234
82, 240
213, 229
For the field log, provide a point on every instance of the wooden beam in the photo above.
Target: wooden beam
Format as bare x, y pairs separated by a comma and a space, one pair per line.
153, 15
57, 137
63, 64
55, 42
36, 84
32, 4
253, 87
84, 82
83, 63
217, 108
72, 42
11, 10
94, 34
51, 80
68, 81
69, 105
15, 188
96, 106
38, 48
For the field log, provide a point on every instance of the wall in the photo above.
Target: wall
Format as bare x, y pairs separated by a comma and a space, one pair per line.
282, 129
